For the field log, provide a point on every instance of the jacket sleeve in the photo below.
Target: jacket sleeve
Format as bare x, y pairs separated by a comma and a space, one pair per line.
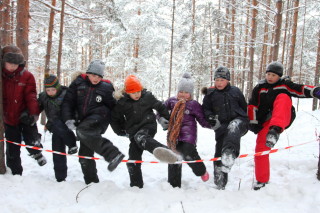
40, 101
242, 101
117, 120
299, 90
253, 105
207, 106
69, 103
31, 95
199, 114
160, 107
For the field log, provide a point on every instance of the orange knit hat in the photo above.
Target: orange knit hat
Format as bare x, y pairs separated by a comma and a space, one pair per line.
132, 84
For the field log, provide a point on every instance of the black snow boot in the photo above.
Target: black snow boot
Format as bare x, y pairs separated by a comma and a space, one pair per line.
115, 162
220, 177
318, 174
40, 159
273, 136
227, 159
258, 185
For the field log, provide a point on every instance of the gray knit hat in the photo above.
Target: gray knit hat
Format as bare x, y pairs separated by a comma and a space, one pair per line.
186, 84
276, 68
222, 72
96, 67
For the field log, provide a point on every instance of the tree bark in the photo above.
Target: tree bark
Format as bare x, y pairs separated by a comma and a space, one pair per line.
22, 29
2, 156
49, 42
293, 37
171, 49
277, 30
316, 78
61, 38
5, 25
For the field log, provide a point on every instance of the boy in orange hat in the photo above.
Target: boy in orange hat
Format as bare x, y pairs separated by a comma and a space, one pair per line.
133, 116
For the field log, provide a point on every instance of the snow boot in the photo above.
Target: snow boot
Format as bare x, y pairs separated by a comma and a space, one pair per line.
205, 177
73, 150
40, 159
318, 174
165, 155
220, 177
273, 136
258, 185
115, 162
227, 159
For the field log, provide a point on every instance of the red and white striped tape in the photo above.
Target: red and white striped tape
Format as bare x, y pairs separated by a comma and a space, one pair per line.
179, 162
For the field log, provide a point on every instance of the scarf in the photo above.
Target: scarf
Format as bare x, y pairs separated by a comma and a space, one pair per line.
175, 124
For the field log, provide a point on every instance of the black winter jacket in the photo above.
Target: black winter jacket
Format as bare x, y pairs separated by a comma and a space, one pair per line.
89, 101
52, 105
264, 94
131, 115
228, 104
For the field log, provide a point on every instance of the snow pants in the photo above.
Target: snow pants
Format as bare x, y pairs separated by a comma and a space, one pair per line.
281, 117
189, 153
136, 149
89, 132
61, 137
30, 136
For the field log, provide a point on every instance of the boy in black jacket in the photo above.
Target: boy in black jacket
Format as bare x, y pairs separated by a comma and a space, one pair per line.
225, 109
50, 101
91, 98
133, 116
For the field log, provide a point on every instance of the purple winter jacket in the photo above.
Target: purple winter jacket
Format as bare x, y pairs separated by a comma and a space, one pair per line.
193, 112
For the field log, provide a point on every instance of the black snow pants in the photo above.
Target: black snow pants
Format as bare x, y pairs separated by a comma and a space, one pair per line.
61, 137
89, 133
189, 153
142, 140
22, 132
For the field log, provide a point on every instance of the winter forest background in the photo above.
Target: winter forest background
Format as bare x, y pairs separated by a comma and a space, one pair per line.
158, 40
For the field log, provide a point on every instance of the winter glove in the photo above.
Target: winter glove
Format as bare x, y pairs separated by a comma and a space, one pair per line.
255, 128
164, 123
214, 122
123, 133
35, 118
27, 119
71, 124
316, 92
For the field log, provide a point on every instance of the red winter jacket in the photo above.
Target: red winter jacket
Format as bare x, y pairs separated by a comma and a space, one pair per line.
19, 94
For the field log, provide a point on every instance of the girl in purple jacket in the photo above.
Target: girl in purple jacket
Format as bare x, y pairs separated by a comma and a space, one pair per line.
182, 130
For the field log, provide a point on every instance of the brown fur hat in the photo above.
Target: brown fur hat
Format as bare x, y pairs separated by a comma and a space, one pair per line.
12, 54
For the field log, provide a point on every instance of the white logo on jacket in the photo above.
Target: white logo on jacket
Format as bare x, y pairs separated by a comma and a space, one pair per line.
98, 98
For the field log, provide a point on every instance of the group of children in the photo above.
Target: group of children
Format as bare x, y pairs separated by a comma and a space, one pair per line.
88, 106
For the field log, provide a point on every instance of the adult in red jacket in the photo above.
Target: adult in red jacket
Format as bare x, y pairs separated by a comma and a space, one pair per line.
21, 109
270, 111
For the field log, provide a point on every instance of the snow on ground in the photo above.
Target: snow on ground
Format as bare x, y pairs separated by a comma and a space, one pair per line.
293, 186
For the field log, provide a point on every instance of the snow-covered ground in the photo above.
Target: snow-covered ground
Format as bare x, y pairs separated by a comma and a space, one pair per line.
293, 186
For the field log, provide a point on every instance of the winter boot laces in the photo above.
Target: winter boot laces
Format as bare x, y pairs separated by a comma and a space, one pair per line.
165, 155
40, 159
73, 150
273, 136
227, 159
115, 162
258, 185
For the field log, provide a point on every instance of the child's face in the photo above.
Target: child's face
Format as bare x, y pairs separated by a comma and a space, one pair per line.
220, 83
11, 67
94, 79
272, 77
135, 96
51, 91
184, 95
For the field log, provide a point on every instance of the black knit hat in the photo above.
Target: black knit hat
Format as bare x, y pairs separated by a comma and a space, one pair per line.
51, 81
222, 72
275, 67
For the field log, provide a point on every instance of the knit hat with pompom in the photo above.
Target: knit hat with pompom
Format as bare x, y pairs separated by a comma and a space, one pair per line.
186, 84
51, 81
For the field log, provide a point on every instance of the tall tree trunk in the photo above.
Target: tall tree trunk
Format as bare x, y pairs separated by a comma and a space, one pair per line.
5, 25
2, 156
171, 49
245, 50
285, 34
293, 37
252, 45
218, 39
49, 42
264, 51
277, 30
232, 42
211, 46
22, 29
316, 78
61, 38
